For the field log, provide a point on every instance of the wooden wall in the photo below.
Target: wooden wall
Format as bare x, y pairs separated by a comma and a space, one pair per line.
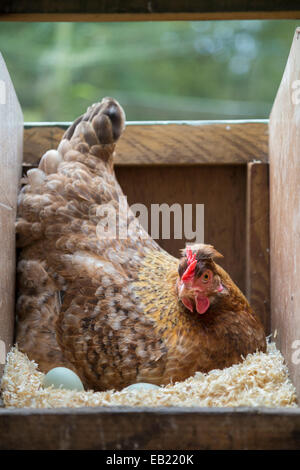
284, 144
168, 143
11, 153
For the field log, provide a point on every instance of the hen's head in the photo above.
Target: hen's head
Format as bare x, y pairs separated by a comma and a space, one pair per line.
199, 284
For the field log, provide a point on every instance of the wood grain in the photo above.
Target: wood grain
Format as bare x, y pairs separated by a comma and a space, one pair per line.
258, 241
285, 213
11, 138
150, 428
132, 10
179, 143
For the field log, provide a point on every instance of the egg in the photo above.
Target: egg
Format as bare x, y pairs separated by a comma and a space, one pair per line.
61, 377
141, 386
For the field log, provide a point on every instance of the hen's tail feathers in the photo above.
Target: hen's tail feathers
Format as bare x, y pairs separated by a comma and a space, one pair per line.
107, 119
94, 133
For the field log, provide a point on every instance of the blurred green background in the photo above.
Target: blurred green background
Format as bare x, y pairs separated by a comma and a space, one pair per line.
157, 70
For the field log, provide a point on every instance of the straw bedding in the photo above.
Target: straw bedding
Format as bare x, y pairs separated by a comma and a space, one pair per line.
260, 380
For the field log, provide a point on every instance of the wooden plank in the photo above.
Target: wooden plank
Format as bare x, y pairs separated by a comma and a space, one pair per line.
222, 190
126, 17
141, 10
174, 143
150, 428
285, 213
11, 139
258, 241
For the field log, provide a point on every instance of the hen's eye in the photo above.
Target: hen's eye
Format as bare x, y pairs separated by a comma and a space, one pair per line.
205, 277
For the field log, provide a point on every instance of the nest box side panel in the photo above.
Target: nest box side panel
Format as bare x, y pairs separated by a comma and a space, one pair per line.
11, 148
284, 145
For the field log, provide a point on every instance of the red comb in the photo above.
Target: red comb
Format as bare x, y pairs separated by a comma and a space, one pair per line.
190, 270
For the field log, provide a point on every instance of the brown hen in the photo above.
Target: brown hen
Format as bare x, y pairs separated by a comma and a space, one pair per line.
116, 310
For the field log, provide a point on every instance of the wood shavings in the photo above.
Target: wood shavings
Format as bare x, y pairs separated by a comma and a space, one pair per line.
260, 380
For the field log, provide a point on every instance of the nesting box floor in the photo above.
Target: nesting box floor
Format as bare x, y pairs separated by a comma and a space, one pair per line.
260, 380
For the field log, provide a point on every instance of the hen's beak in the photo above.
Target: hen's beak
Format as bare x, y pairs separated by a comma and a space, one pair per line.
184, 290
181, 290
193, 298
185, 295
196, 298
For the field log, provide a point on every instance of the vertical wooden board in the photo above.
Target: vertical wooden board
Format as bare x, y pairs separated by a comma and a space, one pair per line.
222, 190
284, 143
11, 143
258, 241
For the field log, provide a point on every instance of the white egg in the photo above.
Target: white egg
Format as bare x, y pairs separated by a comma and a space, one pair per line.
141, 386
61, 377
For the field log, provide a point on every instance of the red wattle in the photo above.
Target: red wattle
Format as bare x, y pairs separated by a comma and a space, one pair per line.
202, 304
187, 303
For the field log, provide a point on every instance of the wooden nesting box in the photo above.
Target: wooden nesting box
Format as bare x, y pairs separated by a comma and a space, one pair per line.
230, 167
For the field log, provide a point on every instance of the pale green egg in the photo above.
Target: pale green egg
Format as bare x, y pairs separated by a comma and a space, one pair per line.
141, 386
61, 377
